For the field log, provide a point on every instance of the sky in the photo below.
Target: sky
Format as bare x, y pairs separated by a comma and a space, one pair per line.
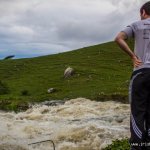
30, 28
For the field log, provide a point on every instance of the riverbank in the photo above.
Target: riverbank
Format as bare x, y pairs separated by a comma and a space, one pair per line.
23, 105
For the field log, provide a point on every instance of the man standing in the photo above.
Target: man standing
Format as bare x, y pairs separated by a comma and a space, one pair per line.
139, 89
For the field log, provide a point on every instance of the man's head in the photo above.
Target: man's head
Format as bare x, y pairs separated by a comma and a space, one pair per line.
145, 10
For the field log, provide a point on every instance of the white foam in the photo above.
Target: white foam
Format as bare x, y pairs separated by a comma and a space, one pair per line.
79, 123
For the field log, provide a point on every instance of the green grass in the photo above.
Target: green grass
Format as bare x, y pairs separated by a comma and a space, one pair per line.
118, 145
101, 72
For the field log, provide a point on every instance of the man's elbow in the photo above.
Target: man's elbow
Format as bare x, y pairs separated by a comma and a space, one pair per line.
121, 36
117, 39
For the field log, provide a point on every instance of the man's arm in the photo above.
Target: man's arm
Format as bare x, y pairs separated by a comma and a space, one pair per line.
120, 40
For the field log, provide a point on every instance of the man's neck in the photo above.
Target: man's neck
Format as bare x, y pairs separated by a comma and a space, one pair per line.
147, 17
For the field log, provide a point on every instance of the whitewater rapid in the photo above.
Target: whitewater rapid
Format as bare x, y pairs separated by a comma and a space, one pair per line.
78, 124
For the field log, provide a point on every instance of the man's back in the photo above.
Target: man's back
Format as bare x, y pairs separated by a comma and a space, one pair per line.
140, 31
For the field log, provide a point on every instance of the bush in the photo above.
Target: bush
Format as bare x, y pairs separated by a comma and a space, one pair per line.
119, 145
3, 88
25, 93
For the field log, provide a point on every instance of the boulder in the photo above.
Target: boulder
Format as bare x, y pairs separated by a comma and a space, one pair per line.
51, 90
68, 72
53, 102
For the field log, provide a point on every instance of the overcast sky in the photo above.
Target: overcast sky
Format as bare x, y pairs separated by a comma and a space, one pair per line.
31, 28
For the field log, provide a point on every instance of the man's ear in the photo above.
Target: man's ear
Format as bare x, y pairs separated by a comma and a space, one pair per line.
143, 13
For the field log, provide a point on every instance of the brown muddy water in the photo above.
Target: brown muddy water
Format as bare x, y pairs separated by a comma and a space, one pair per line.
79, 124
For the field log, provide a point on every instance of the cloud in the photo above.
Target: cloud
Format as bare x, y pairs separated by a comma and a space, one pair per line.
37, 27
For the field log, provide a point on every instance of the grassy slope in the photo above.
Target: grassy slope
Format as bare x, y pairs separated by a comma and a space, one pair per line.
101, 71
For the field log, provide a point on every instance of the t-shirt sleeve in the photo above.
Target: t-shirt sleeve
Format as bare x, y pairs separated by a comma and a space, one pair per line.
129, 30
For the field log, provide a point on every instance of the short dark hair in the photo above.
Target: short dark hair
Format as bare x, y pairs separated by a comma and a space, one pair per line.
146, 7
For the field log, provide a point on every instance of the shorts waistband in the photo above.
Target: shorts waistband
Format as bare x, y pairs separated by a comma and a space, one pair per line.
140, 70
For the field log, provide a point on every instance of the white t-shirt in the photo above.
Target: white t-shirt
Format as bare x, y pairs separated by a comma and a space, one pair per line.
140, 31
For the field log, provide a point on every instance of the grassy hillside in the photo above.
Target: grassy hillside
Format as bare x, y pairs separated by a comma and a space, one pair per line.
101, 72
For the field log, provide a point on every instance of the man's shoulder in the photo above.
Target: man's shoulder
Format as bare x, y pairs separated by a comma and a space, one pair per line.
137, 22
140, 22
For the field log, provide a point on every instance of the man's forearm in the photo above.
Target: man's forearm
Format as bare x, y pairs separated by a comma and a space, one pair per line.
124, 46
120, 40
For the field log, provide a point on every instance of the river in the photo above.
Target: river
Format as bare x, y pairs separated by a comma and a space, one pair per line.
78, 124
